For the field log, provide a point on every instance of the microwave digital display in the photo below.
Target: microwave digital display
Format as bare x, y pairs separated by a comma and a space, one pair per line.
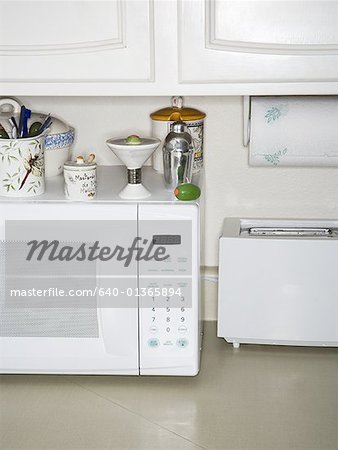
167, 239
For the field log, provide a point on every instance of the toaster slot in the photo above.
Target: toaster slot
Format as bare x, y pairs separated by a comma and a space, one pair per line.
288, 231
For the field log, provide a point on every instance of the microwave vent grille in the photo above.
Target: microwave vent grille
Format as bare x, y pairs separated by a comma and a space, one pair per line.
58, 322
63, 322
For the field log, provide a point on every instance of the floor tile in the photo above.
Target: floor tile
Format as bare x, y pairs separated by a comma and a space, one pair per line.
256, 397
50, 413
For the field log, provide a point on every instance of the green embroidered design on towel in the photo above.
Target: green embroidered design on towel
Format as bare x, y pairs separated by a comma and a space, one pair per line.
274, 158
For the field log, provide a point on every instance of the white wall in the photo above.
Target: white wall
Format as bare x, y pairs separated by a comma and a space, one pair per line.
232, 187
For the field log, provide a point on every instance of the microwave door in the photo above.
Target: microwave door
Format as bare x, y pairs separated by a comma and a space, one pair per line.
68, 337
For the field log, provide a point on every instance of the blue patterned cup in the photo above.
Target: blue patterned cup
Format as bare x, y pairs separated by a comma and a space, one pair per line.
57, 149
59, 140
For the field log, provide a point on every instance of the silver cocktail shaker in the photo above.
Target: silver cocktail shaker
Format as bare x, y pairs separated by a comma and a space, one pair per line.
178, 154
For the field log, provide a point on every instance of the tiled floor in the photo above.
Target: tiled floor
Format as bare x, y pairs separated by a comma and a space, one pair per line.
252, 398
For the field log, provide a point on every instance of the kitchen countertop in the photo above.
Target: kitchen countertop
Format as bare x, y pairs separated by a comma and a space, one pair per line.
110, 181
254, 397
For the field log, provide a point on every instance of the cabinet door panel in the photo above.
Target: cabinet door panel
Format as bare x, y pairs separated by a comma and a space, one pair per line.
274, 25
79, 40
258, 41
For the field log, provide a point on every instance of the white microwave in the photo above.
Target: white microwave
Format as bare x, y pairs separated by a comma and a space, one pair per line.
156, 332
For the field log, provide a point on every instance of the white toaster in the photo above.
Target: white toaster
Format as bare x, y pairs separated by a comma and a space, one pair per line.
278, 282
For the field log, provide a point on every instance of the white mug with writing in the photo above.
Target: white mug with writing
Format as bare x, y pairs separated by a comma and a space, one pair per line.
80, 179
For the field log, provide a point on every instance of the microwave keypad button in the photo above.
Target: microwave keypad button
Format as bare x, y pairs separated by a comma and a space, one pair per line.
153, 343
182, 343
153, 329
182, 329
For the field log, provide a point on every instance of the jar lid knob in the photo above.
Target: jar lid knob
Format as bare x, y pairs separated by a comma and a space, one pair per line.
177, 102
91, 158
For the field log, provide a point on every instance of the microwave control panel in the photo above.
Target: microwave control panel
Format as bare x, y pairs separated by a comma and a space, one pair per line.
169, 288
167, 318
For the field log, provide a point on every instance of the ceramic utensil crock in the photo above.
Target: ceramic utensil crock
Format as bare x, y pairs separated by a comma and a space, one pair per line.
22, 170
58, 139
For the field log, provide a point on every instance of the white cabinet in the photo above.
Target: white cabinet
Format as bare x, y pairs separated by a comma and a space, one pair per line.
227, 41
76, 41
168, 47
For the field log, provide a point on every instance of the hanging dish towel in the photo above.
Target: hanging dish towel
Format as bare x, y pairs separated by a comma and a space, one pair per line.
294, 131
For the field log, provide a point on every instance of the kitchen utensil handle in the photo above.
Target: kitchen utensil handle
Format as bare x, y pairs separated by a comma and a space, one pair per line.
9, 106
